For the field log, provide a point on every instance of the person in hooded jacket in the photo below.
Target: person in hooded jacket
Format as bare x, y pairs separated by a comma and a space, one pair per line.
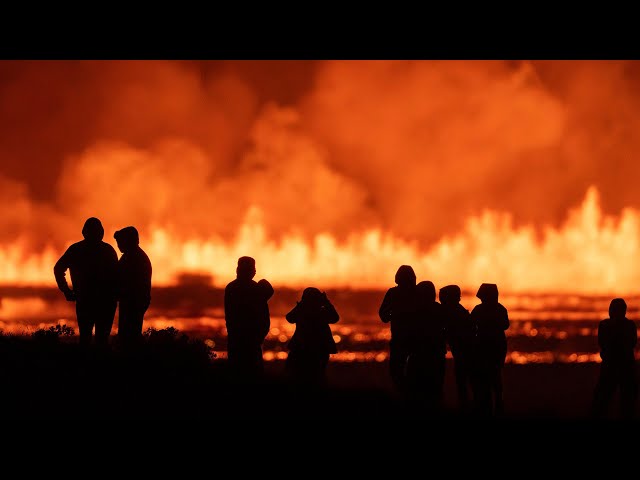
92, 264
490, 320
312, 342
134, 285
617, 338
461, 338
399, 308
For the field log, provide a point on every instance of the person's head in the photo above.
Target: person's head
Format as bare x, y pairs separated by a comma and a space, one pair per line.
617, 308
488, 293
450, 295
426, 291
127, 239
93, 230
405, 276
312, 296
246, 268
266, 288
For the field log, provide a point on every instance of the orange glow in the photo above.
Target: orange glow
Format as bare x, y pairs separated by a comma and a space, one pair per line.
588, 253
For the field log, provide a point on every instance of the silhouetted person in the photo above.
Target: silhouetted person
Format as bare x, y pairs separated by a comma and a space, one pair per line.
134, 286
617, 337
312, 342
246, 313
461, 337
490, 319
427, 349
399, 308
92, 264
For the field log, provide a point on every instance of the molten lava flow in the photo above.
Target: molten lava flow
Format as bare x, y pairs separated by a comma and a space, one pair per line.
588, 253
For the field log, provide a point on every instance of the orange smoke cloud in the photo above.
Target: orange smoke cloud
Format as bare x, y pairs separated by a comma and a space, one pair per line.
435, 142
367, 165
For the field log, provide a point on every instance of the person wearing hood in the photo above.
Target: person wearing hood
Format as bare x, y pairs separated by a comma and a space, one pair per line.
134, 285
490, 320
617, 338
312, 342
399, 308
92, 264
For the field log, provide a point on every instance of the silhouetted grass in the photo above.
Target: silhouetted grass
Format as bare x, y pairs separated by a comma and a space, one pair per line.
173, 380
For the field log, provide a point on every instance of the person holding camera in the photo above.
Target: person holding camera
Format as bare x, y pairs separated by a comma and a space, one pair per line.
312, 342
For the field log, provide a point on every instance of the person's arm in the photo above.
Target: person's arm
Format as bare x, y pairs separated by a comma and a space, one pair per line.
113, 273
329, 312
147, 281
59, 271
294, 315
505, 319
264, 323
633, 335
385, 308
229, 311
602, 337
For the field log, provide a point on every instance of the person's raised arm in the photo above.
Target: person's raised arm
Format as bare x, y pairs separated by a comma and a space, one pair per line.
330, 313
294, 315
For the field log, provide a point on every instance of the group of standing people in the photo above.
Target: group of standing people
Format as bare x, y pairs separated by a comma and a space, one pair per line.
100, 281
248, 322
421, 328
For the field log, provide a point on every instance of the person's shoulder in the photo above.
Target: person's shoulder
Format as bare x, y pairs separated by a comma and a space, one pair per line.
74, 247
461, 310
77, 249
604, 323
108, 247
144, 256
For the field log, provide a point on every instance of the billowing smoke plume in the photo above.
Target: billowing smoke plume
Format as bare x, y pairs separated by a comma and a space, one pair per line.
412, 148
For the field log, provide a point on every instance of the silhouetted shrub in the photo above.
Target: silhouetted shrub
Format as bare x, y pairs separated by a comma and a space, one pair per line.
176, 346
53, 333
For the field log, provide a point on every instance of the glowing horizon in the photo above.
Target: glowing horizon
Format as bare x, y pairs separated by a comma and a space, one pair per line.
331, 173
588, 253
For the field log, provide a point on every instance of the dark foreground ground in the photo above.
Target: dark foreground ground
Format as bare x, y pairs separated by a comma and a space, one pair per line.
171, 392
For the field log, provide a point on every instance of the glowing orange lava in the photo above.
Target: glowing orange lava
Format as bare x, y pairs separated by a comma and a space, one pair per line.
588, 253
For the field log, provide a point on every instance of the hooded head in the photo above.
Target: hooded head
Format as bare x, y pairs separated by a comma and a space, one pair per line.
488, 293
127, 239
405, 276
246, 268
312, 296
93, 230
426, 291
450, 295
617, 308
